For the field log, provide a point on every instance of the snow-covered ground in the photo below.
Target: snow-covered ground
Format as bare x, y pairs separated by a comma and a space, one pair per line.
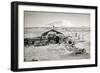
51, 52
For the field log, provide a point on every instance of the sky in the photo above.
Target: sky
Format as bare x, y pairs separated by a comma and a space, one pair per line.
49, 19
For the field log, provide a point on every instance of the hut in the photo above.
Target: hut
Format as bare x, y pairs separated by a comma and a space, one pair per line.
53, 36
49, 37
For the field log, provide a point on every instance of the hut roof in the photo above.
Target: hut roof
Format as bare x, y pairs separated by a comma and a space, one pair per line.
52, 30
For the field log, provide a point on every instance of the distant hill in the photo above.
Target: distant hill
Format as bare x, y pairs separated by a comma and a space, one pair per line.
69, 29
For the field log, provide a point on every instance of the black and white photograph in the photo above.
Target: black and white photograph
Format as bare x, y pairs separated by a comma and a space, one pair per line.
52, 36
56, 36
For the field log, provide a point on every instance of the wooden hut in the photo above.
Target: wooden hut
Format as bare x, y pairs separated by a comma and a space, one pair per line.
53, 36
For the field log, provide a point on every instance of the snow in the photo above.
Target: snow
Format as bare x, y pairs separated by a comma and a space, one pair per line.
50, 52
